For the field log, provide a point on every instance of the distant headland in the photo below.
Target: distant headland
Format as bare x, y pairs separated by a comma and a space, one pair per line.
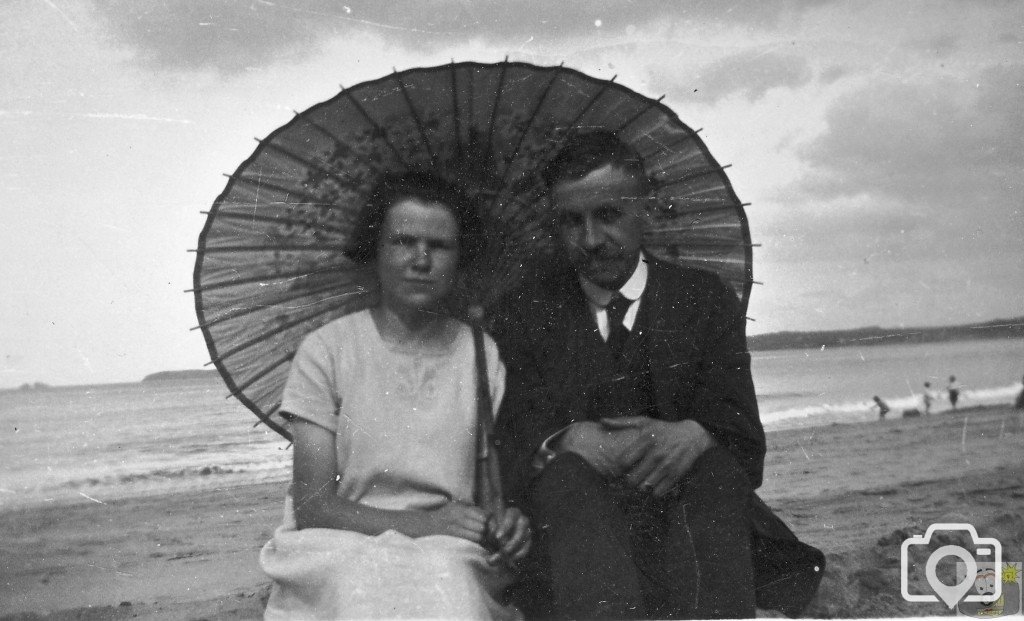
861, 337
190, 374
995, 329
35, 386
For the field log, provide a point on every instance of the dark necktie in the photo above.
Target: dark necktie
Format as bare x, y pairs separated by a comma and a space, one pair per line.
617, 333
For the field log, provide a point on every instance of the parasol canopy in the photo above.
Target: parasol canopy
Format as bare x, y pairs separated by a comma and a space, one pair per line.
271, 264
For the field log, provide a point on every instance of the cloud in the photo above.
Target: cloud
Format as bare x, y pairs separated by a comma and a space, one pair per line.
942, 45
947, 144
752, 74
228, 36
917, 185
834, 74
909, 205
231, 36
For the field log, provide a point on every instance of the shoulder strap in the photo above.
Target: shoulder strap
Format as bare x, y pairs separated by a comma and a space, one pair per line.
484, 405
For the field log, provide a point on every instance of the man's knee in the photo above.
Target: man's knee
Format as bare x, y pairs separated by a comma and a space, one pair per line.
717, 472
570, 492
566, 474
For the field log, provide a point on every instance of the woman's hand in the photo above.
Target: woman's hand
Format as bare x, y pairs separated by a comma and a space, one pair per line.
510, 530
458, 520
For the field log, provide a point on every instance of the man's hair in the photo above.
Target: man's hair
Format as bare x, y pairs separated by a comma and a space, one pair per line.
393, 188
585, 152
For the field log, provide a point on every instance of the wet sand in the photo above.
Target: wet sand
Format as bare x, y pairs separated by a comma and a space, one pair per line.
856, 491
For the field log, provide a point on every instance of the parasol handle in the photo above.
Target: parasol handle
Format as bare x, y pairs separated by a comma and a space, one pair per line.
487, 490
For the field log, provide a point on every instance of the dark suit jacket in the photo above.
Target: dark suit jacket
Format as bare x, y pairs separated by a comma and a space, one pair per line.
700, 368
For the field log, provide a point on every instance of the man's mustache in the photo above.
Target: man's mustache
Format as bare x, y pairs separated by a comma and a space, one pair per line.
605, 250
601, 252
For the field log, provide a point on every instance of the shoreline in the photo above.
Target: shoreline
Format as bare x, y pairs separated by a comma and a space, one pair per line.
148, 486
853, 490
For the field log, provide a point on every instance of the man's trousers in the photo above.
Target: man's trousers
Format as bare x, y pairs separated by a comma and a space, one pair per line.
614, 552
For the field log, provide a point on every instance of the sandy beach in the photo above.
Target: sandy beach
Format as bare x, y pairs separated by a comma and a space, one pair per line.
856, 491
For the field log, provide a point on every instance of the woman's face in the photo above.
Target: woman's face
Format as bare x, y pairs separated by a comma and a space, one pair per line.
417, 254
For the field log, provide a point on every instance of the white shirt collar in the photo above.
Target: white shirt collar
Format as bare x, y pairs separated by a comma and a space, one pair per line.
632, 290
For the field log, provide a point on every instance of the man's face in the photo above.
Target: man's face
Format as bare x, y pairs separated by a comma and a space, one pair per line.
600, 222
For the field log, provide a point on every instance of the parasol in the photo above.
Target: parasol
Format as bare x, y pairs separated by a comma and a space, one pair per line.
270, 264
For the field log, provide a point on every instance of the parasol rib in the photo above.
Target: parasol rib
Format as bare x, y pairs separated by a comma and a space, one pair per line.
528, 208
271, 247
529, 123
694, 206
497, 101
269, 333
229, 215
416, 118
275, 427
701, 172
341, 267
266, 420
307, 163
472, 88
601, 91
691, 206
650, 105
695, 242
307, 197
455, 112
263, 372
330, 136
242, 312
671, 147
724, 267
376, 126
499, 197
543, 161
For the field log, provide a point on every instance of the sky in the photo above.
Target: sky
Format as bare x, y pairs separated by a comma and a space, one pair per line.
879, 144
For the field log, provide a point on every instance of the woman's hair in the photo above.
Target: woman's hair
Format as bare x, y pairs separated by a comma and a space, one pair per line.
393, 188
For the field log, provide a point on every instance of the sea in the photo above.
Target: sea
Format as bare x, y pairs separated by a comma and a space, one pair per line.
97, 443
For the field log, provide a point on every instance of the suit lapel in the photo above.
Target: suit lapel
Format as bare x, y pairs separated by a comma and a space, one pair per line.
572, 358
670, 319
578, 359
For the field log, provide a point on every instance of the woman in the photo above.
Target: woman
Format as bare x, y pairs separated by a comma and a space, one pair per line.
379, 521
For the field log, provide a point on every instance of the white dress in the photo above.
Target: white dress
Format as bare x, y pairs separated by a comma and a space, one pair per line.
405, 423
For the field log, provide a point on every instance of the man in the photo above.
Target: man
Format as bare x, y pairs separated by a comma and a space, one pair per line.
953, 389
630, 431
